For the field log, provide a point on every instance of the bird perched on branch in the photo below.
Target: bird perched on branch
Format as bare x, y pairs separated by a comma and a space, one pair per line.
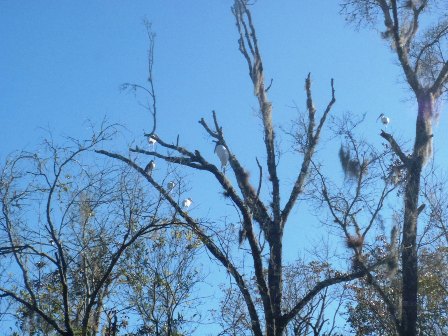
152, 141
171, 185
223, 154
385, 120
187, 202
150, 167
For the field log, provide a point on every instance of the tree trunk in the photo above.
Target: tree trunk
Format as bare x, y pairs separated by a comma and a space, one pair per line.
421, 153
94, 325
275, 327
409, 252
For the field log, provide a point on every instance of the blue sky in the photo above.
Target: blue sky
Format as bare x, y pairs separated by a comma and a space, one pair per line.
61, 64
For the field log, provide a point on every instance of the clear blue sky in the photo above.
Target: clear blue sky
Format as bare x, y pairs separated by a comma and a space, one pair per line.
62, 62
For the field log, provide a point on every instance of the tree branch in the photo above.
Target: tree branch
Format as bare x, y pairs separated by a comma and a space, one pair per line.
395, 147
402, 53
249, 37
316, 289
206, 240
312, 140
441, 80
34, 308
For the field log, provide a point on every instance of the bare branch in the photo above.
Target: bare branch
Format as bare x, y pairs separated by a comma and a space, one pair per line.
442, 78
260, 179
395, 147
312, 140
208, 242
317, 288
256, 73
401, 52
209, 131
152, 108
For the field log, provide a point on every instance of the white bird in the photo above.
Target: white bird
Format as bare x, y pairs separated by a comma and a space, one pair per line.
187, 202
385, 120
150, 167
223, 154
151, 140
171, 185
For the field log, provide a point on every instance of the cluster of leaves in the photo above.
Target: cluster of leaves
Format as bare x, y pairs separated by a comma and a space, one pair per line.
368, 315
162, 277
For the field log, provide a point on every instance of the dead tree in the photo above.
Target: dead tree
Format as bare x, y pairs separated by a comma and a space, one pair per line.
261, 220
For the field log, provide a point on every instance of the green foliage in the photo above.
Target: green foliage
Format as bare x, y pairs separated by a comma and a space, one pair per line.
368, 315
162, 278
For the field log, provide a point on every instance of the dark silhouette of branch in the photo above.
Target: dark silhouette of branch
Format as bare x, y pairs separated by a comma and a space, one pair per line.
312, 140
206, 240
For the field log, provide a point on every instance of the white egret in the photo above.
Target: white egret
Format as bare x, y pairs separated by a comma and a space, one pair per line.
223, 154
187, 202
385, 120
151, 140
150, 167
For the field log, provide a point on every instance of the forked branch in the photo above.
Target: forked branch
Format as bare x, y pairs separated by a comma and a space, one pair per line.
249, 48
205, 239
313, 135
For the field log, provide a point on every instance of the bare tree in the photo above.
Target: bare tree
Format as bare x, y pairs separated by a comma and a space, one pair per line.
422, 57
262, 221
65, 224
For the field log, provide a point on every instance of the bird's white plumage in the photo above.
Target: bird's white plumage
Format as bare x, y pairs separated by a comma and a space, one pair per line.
223, 154
384, 120
152, 141
187, 202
